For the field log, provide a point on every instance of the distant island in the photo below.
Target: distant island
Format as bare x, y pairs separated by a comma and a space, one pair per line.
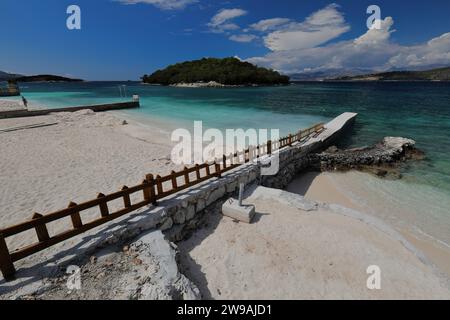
4, 76
441, 74
45, 78
212, 72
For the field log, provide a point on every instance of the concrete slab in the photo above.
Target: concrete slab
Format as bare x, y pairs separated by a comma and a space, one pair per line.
244, 213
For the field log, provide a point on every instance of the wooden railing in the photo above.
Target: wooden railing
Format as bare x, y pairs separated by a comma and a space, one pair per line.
152, 189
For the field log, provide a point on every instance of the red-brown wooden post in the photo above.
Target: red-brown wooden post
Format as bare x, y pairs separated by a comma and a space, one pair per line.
126, 198
269, 147
151, 181
6, 264
197, 171
186, 175
224, 161
103, 206
41, 230
146, 190
251, 151
208, 170
174, 180
290, 140
76, 219
159, 186
217, 167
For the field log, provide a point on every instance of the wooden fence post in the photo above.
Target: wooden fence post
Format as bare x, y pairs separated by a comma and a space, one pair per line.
126, 198
151, 180
41, 230
269, 147
76, 219
217, 167
224, 161
186, 175
174, 180
6, 264
159, 185
146, 190
103, 206
197, 171
290, 140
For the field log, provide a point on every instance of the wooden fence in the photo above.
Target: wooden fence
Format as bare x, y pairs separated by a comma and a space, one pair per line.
152, 190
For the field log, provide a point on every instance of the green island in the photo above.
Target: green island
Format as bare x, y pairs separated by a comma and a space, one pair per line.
216, 72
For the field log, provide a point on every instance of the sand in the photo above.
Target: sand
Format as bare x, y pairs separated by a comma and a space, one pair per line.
332, 188
287, 253
77, 156
10, 105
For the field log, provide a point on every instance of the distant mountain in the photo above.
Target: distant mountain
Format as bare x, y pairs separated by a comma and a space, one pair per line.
440, 74
228, 71
45, 78
4, 76
327, 74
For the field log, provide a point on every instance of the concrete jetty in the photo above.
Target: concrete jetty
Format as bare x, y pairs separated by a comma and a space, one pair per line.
96, 108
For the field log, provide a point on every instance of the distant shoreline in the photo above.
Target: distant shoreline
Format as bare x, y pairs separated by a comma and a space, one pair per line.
214, 84
366, 81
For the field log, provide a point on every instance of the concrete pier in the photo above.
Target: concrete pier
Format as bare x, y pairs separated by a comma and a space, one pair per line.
95, 108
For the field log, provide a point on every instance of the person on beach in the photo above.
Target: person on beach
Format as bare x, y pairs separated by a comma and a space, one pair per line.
25, 102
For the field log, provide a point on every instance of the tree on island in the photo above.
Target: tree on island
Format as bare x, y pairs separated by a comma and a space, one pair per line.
227, 71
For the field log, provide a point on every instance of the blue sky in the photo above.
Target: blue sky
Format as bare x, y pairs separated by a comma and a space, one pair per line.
124, 39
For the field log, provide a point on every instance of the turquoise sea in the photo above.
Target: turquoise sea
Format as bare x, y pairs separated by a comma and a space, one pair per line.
417, 110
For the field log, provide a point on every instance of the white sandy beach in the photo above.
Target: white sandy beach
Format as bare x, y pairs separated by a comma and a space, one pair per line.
10, 104
289, 253
77, 156
348, 189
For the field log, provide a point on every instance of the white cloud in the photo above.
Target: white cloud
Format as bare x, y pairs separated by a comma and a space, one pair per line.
269, 24
434, 52
373, 50
163, 4
320, 27
377, 36
243, 38
220, 22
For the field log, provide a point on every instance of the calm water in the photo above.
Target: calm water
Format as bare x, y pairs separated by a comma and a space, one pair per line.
420, 111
